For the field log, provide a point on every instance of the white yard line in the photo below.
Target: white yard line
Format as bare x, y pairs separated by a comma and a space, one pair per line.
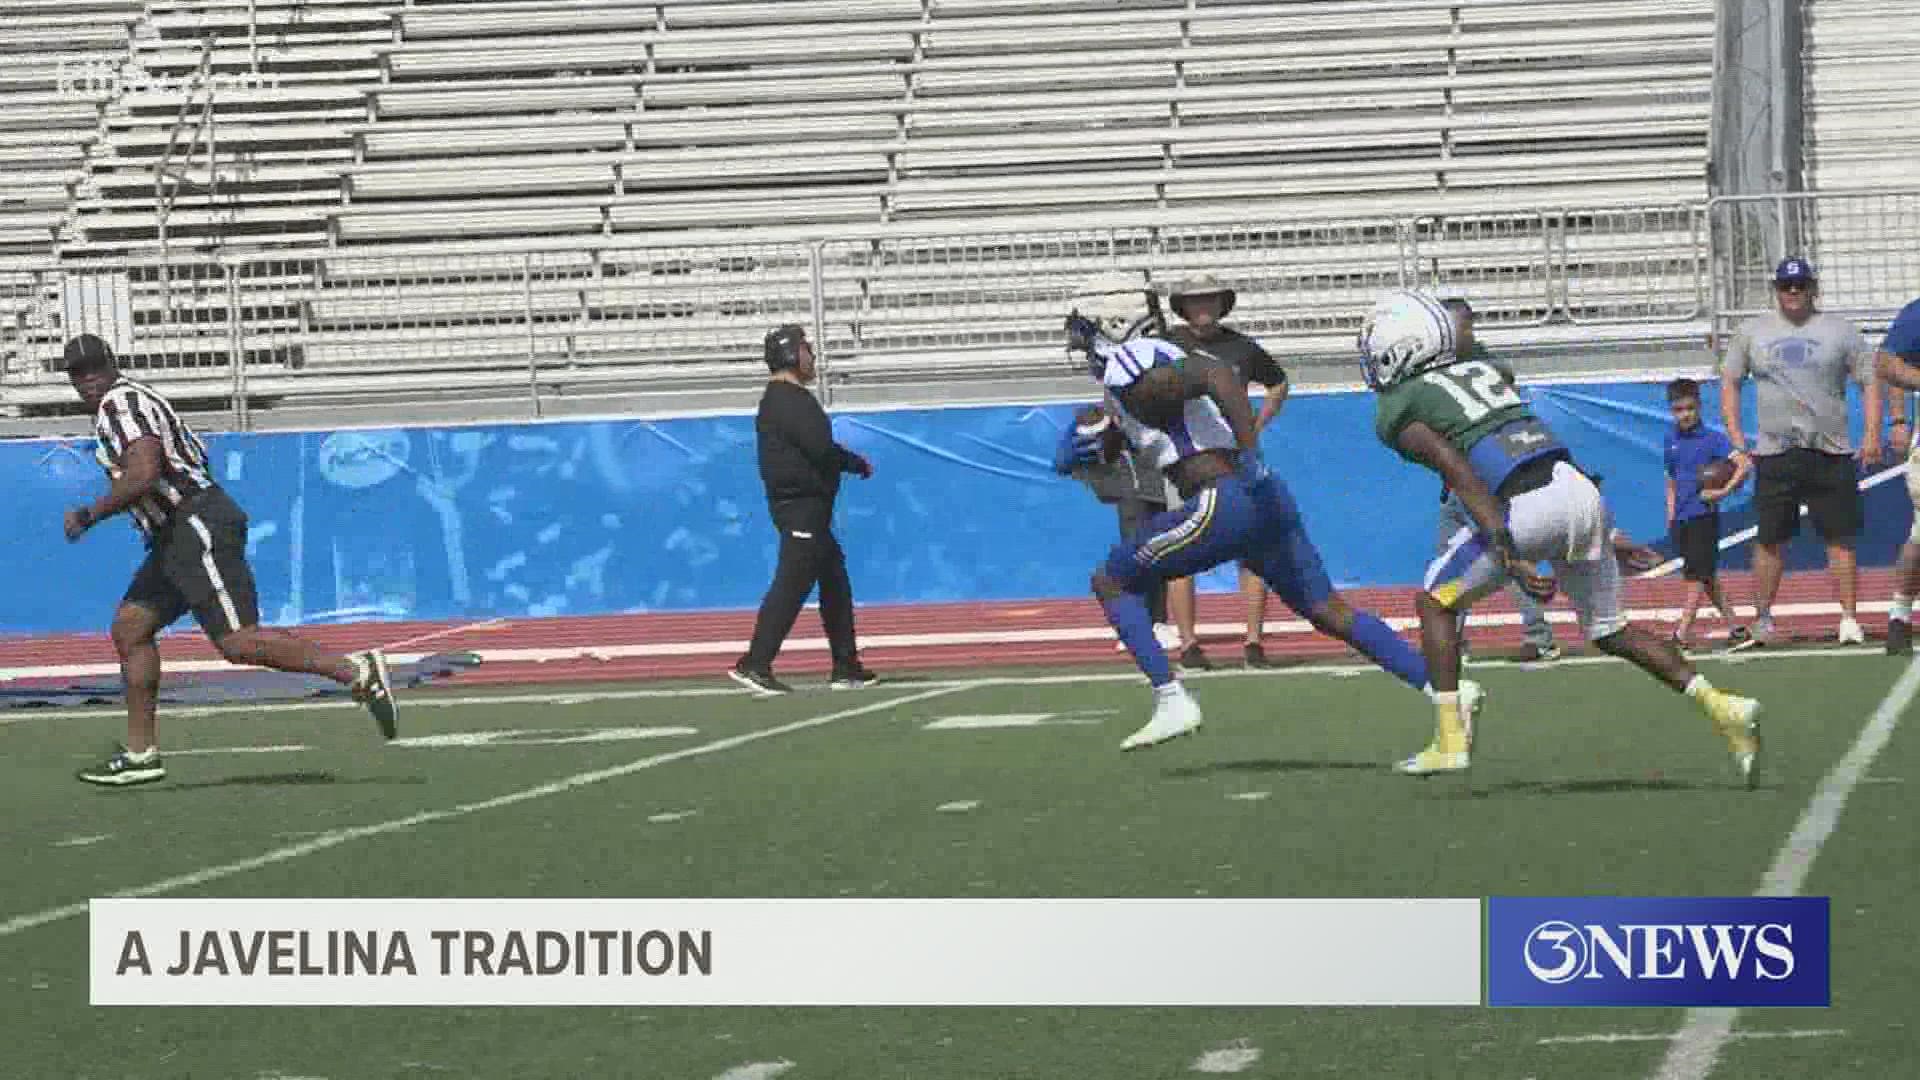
1696, 1049
336, 837
1608, 1037
440, 700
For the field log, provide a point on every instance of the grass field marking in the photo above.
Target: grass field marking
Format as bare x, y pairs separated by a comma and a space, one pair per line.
1696, 1049
756, 1070
336, 837
1607, 1037
587, 697
1237, 1056
511, 738
283, 748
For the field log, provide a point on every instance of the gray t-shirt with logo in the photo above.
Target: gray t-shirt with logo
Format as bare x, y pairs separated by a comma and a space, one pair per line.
1800, 377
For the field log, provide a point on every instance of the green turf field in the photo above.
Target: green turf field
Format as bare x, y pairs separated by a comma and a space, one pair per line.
1588, 779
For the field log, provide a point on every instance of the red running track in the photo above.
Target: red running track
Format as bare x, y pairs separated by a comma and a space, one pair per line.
895, 636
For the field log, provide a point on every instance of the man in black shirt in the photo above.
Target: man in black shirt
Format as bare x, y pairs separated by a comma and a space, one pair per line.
1201, 303
800, 465
196, 560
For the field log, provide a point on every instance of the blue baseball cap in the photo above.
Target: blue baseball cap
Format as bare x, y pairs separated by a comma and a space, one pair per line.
1793, 269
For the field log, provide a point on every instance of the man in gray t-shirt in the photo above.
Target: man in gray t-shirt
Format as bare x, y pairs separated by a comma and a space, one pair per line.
1800, 360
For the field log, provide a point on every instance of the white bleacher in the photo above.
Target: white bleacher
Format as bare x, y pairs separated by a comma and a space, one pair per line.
475, 124
286, 78
1861, 87
46, 120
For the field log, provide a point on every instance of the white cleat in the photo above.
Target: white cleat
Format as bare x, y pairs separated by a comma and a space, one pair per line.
1851, 634
1175, 713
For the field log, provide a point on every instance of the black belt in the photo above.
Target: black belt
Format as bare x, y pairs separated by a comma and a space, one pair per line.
1531, 476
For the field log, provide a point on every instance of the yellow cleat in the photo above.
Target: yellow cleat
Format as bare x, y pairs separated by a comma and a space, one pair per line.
1738, 719
1432, 761
1450, 750
1473, 698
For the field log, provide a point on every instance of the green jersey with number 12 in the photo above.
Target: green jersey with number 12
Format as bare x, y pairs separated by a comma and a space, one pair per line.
1471, 404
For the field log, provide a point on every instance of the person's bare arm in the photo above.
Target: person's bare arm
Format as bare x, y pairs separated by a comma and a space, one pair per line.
140, 467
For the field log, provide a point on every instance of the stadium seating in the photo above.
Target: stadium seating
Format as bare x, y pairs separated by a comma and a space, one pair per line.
1534, 152
1861, 86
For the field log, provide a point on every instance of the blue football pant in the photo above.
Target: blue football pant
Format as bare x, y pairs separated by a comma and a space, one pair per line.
1223, 523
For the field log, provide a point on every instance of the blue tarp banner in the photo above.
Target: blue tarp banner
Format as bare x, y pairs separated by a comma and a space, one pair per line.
598, 517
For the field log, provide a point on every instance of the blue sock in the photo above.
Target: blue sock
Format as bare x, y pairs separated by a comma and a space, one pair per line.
1384, 647
1130, 620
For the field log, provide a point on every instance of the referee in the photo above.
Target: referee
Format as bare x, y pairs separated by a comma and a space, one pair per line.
196, 538
800, 466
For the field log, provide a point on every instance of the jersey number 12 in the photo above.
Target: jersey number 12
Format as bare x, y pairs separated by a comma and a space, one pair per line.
1476, 385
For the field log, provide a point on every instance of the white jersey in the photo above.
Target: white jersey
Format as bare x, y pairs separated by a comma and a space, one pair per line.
1202, 425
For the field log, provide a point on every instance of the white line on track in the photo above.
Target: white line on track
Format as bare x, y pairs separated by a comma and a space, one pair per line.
336, 837
607, 651
1696, 1049
442, 699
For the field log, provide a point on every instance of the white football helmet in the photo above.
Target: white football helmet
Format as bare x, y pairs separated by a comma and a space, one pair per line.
1121, 304
1407, 332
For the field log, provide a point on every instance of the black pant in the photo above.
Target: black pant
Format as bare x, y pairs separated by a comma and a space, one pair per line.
198, 563
809, 555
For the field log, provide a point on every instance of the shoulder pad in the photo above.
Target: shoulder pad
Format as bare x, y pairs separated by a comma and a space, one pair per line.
1129, 360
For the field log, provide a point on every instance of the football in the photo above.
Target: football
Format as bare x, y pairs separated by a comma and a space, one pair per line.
1095, 421
1715, 474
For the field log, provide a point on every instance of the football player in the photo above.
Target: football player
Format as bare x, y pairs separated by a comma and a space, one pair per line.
1529, 504
1190, 418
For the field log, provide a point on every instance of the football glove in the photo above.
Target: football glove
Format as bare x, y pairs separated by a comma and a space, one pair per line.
1076, 450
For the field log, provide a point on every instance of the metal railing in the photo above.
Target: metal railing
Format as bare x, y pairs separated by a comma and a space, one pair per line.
658, 310
1865, 245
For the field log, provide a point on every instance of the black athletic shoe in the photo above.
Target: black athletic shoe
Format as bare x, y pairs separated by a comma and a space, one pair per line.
374, 689
856, 677
760, 682
1194, 658
1740, 638
125, 770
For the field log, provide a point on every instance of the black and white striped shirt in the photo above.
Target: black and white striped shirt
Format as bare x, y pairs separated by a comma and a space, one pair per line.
131, 411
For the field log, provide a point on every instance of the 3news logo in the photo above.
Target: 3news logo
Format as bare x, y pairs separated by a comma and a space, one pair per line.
1746, 952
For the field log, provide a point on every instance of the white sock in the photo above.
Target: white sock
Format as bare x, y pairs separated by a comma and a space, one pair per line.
1451, 697
143, 756
1172, 689
1698, 688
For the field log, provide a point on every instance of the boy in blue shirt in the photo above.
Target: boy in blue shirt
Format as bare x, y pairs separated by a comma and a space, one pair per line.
1693, 515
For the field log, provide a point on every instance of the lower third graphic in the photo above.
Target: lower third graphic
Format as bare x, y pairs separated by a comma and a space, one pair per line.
1746, 952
